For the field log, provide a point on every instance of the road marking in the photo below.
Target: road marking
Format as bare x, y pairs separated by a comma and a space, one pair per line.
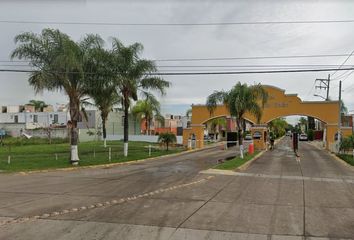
258, 175
101, 204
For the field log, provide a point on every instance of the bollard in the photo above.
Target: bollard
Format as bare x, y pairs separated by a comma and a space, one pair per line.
109, 154
56, 156
189, 144
241, 151
94, 153
9, 159
251, 148
150, 150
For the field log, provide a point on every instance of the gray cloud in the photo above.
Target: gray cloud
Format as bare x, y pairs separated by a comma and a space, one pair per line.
195, 42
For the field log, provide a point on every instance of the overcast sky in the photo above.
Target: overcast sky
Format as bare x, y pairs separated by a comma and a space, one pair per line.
195, 41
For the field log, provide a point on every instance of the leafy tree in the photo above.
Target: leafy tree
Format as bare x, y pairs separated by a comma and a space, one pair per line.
278, 126
147, 110
239, 100
38, 104
133, 74
58, 64
167, 138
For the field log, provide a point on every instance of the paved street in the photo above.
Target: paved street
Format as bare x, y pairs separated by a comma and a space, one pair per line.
275, 198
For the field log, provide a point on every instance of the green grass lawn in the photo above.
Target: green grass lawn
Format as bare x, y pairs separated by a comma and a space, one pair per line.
48, 156
236, 162
347, 158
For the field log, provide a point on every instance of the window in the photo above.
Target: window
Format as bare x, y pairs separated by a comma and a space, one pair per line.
35, 118
16, 119
56, 118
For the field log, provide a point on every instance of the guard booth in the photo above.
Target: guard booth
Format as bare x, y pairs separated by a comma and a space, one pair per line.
259, 135
231, 138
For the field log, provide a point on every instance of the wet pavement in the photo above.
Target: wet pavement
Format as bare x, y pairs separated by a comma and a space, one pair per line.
277, 197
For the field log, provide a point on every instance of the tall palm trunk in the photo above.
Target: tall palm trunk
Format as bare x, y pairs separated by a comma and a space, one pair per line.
146, 126
239, 134
126, 125
74, 136
149, 125
104, 130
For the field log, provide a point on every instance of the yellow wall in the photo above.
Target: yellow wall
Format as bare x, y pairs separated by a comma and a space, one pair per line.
279, 105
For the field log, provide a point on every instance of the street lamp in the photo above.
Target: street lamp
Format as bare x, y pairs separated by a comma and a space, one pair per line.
316, 95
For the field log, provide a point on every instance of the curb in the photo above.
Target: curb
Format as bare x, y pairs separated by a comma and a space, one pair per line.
106, 165
244, 166
342, 161
334, 156
248, 163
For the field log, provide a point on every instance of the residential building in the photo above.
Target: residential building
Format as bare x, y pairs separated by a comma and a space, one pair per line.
19, 119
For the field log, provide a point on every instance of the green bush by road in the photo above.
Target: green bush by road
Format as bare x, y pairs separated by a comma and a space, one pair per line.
49, 156
347, 158
236, 162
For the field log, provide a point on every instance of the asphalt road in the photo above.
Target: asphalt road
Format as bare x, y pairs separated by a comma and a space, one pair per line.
277, 197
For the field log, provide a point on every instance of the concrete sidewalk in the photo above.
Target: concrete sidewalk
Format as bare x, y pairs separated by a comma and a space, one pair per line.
275, 198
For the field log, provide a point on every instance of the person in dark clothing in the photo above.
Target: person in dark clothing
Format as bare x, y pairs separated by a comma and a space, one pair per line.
271, 139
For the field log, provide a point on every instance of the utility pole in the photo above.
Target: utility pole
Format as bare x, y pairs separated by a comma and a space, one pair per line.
339, 116
326, 83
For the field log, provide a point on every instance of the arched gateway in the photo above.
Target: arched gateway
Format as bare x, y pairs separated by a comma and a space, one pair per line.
278, 105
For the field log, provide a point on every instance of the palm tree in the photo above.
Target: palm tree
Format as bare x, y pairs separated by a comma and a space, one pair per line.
133, 74
216, 124
38, 104
105, 97
146, 110
167, 138
189, 112
58, 64
239, 100
101, 87
343, 108
303, 122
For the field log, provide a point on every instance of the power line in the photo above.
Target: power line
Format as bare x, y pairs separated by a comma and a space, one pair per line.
253, 66
222, 66
350, 87
228, 58
311, 89
180, 24
249, 58
344, 76
206, 73
326, 83
343, 63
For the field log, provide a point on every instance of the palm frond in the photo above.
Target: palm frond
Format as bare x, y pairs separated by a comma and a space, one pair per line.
217, 97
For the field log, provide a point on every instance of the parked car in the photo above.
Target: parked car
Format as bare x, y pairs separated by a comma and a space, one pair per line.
248, 137
303, 137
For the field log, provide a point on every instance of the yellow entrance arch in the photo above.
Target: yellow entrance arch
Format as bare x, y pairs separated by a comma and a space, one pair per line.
279, 104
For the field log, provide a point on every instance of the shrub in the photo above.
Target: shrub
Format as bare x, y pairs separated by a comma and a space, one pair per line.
167, 138
310, 135
347, 143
